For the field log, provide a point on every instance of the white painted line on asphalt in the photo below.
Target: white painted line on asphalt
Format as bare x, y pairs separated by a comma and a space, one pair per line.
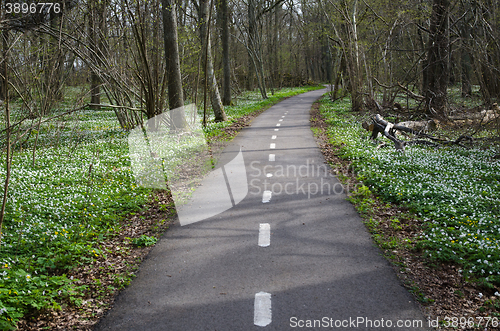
264, 234
272, 158
269, 175
276, 129
274, 137
279, 124
262, 314
283, 116
272, 146
281, 120
266, 196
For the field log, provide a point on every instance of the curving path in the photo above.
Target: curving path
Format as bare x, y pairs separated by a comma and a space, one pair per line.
293, 254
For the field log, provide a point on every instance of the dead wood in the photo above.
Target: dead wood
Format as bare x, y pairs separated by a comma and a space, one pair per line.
388, 129
420, 126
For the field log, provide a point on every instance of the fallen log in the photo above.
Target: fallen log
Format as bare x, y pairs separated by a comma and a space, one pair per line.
420, 126
483, 116
388, 129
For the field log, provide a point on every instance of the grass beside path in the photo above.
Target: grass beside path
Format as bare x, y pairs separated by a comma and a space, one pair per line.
442, 205
77, 225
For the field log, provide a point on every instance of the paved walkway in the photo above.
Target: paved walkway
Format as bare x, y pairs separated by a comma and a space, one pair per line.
302, 260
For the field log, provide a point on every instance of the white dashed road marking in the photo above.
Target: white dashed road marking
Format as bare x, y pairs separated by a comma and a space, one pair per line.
266, 196
262, 303
262, 315
264, 234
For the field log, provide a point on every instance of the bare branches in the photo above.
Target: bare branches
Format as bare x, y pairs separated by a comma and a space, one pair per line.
410, 93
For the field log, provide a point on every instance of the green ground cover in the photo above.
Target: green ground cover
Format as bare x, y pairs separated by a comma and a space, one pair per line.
61, 209
456, 191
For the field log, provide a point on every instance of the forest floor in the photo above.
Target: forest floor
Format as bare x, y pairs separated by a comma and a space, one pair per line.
447, 295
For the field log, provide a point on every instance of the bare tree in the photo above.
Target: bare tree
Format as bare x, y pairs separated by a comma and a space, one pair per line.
226, 86
465, 57
97, 35
204, 10
5, 80
175, 94
151, 87
346, 36
436, 70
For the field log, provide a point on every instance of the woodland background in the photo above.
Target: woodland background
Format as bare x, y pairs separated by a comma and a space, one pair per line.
76, 76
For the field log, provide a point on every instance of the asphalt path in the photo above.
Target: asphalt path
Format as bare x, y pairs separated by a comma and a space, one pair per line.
298, 257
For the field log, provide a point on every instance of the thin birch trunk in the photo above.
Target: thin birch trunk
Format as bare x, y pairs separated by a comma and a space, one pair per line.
8, 133
204, 19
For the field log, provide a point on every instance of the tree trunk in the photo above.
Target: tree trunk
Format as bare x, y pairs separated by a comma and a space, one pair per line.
269, 26
8, 130
226, 95
275, 69
327, 58
466, 73
3, 69
175, 93
3, 72
97, 27
354, 62
262, 78
254, 48
50, 60
437, 60
54, 80
489, 55
155, 54
203, 17
422, 63
95, 91
250, 43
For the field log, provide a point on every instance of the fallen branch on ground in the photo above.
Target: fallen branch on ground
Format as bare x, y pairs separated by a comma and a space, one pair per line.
388, 129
